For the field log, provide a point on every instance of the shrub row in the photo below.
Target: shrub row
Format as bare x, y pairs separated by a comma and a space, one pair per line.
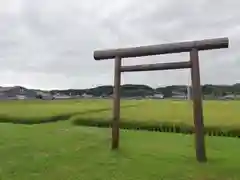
160, 127
34, 120
233, 131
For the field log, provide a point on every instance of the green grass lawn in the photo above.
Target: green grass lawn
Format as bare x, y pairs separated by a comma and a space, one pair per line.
63, 151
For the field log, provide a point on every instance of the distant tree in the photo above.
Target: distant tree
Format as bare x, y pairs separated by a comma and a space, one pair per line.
39, 96
144, 90
167, 92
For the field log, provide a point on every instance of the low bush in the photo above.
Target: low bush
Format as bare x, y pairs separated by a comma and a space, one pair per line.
34, 120
227, 131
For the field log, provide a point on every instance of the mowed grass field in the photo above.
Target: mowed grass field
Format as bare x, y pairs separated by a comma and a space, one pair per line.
60, 150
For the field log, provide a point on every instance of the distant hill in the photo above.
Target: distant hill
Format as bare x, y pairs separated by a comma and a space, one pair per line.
133, 90
130, 90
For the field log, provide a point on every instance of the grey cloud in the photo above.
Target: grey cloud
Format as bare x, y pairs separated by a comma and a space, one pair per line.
57, 38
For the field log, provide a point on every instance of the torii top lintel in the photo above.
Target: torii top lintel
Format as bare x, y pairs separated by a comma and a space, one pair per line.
187, 46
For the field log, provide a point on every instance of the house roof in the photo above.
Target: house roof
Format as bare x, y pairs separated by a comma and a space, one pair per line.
4, 89
178, 93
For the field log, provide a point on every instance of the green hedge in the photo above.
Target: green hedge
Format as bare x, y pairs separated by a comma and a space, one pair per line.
160, 127
34, 120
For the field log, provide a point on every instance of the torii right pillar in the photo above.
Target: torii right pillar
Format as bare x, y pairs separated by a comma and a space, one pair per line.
197, 107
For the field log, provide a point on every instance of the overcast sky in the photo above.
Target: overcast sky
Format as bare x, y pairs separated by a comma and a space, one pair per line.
49, 43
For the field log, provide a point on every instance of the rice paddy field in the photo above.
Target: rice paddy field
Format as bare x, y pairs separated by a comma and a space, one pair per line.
43, 143
215, 112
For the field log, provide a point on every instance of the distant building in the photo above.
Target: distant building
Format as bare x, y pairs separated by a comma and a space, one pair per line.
16, 92
61, 96
85, 95
179, 95
158, 96
230, 97
44, 96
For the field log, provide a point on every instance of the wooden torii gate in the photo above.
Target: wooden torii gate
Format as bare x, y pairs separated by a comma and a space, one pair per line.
189, 46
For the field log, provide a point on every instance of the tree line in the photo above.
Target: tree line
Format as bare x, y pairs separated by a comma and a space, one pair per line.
130, 90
